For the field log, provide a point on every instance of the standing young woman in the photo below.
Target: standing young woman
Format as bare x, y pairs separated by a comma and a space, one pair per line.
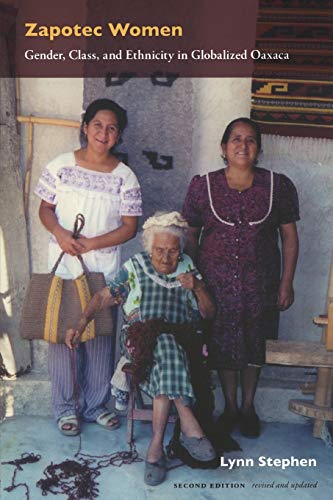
239, 211
93, 182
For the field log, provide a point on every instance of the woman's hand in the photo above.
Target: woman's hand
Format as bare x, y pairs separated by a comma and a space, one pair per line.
87, 244
66, 241
188, 281
64, 237
72, 338
73, 335
205, 302
285, 295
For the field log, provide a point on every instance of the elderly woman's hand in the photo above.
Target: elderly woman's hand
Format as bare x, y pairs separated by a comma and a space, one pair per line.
205, 301
187, 280
72, 338
73, 335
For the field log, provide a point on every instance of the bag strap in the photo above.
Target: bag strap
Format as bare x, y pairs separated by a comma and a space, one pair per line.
78, 226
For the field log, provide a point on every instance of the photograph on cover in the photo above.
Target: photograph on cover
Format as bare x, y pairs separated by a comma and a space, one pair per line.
166, 259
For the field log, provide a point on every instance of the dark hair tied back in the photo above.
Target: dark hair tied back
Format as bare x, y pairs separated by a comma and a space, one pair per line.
106, 105
103, 105
247, 121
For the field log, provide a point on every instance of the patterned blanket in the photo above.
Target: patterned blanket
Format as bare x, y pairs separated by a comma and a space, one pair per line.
292, 85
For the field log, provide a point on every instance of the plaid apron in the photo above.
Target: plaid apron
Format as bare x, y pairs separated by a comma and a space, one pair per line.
162, 298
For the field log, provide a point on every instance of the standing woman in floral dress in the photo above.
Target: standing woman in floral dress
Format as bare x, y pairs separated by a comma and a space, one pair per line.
236, 215
93, 182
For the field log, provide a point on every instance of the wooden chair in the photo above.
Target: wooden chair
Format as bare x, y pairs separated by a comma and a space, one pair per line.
137, 409
311, 354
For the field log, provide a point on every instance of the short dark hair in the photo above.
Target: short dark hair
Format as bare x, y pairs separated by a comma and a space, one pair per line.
247, 121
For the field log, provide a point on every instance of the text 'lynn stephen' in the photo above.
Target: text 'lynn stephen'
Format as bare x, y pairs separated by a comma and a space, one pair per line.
118, 29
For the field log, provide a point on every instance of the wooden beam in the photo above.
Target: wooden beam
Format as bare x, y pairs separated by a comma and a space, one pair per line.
48, 121
28, 169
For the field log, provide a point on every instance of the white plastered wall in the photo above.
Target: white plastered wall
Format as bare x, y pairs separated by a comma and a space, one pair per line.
48, 98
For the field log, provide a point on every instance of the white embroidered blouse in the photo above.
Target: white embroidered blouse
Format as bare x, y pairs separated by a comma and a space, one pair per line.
102, 197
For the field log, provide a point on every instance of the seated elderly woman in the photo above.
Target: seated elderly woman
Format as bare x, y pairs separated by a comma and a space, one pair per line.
163, 284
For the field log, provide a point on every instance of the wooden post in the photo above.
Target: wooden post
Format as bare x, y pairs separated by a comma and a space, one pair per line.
323, 396
329, 328
324, 384
48, 121
28, 170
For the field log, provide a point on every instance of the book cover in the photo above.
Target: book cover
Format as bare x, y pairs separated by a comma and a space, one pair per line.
182, 70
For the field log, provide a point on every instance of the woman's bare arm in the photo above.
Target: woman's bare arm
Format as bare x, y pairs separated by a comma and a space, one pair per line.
64, 237
289, 239
98, 302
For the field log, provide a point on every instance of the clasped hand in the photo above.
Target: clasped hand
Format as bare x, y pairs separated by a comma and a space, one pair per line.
189, 281
71, 245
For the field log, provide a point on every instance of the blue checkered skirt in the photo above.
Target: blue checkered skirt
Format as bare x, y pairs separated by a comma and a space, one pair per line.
170, 373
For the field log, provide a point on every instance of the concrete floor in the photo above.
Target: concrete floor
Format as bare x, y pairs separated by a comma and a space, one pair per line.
41, 436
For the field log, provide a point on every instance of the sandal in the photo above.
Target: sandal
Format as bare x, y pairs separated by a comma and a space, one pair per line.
72, 424
199, 448
105, 420
155, 472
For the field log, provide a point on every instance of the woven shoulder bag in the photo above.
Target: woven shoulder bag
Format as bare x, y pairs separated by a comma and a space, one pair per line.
52, 304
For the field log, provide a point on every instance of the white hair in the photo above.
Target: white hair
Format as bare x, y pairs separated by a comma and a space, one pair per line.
150, 233
164, 222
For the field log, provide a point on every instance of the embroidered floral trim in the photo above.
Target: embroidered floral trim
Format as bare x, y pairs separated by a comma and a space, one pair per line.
131, 208
132, 194
91, 181
44, 193
48, 178
107, 250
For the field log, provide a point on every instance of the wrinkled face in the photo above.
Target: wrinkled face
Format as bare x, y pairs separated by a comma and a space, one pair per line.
241, 149
102, 131
165, 253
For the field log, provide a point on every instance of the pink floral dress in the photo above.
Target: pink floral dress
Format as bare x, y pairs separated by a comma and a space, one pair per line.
240, 260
